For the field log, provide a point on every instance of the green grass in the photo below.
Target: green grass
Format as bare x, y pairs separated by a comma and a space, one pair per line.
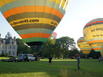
4, 58
59, 68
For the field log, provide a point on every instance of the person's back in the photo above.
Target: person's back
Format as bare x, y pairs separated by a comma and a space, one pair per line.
50, 59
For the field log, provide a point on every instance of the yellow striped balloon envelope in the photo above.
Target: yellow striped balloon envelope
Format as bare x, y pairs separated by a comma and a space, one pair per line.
83, 45
93, 32
34, 20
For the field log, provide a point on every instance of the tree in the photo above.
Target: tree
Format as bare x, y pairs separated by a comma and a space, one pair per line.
58, 48
48, 48
63, 45
22, 47
73, 53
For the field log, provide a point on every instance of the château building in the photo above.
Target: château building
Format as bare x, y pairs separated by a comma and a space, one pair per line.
8, 45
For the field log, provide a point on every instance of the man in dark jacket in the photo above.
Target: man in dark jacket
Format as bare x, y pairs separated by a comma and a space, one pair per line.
50, 59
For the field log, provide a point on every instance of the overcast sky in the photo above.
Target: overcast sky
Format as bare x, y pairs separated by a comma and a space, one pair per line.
78, 13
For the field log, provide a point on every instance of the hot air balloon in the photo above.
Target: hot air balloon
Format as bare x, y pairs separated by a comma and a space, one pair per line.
34, 20
84, 46
93, 33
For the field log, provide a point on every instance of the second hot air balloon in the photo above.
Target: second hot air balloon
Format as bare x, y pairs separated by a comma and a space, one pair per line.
93, 33
84, 46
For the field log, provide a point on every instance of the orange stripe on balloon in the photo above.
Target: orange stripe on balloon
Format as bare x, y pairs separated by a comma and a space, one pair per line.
97, 48
80, 40
94, 22
23, 9
42, 35
95, 41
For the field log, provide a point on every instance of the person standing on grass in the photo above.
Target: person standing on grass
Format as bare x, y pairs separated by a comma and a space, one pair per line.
100, 59
50, 59
78, 61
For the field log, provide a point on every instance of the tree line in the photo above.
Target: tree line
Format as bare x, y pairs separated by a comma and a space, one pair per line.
63, 47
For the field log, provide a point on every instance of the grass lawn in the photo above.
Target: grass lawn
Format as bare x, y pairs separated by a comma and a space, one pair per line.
59, 68
4, 58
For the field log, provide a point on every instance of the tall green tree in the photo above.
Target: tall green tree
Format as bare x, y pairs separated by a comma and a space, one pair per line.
22, 47
72, 53
58, 48
48, 48
63, 45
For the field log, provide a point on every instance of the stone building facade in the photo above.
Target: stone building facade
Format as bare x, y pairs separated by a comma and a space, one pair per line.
8, 45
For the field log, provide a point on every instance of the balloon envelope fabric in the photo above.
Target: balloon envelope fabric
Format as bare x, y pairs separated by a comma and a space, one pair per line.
93, 32
34, 20
83, 45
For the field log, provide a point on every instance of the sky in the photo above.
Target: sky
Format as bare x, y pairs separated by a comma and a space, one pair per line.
78, 13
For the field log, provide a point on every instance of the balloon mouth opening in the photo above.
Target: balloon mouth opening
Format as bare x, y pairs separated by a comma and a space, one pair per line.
35, 43
36, 46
